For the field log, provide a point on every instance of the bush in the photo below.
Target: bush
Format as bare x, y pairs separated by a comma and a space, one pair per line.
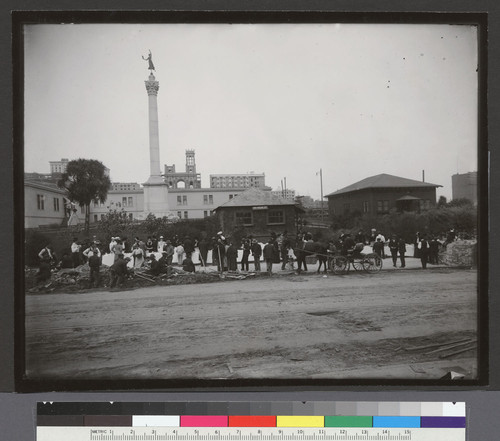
116, 223
434, 222
34, 242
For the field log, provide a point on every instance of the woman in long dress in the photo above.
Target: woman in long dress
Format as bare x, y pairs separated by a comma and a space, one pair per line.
138, 254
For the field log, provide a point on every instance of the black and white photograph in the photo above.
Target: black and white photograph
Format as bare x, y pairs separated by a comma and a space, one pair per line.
250, 201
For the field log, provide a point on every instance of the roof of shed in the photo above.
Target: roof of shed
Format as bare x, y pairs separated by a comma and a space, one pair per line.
255, 197
383, 181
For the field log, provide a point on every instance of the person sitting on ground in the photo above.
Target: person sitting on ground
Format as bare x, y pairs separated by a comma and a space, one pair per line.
188, 265
154, 266
162, 262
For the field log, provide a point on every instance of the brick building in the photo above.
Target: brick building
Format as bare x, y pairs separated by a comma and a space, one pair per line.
260, 212
380, 194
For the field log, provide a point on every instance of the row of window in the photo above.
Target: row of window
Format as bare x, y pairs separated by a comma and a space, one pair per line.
208, 199
186, 214
273, 217
127, 201
40, 202
383, 206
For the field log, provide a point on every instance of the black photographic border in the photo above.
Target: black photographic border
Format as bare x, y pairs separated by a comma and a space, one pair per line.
20, 18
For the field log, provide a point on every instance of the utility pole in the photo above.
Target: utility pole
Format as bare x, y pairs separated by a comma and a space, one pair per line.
321, 183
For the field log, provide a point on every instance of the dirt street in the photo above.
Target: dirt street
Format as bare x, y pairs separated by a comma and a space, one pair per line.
309, 326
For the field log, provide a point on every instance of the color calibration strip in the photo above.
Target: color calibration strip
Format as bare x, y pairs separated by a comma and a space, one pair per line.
383, 415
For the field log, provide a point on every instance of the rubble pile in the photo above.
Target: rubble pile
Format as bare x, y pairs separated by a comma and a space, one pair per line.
77, 279
462, 253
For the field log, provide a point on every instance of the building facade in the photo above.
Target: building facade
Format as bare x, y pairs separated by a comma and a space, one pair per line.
185, 203
285, 193
380, 194
258, 212
44, 204
464, 186
247, 180
58, 167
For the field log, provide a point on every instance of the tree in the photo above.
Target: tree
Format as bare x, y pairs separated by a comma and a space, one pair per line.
442, 202
85, 180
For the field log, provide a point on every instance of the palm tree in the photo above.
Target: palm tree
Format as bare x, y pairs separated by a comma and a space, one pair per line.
85, 180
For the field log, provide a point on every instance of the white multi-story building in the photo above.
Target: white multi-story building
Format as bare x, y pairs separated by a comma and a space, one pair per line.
285, 193
59, 167
185, 203
247, 180
464, 185
125, 186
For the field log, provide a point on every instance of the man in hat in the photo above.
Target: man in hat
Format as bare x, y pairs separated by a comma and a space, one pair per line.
118, 271
169, 250
92, 249
188, 246
93, 255
203, 248
348, 244
393, 247
256, 252
284, 249
402, 251
269, 253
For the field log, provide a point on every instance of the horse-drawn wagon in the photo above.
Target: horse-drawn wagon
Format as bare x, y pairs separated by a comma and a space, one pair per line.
354, 258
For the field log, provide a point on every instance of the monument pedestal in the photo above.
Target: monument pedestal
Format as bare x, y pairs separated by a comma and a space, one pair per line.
156, 198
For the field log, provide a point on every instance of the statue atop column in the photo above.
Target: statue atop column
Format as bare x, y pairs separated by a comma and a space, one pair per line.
151, 66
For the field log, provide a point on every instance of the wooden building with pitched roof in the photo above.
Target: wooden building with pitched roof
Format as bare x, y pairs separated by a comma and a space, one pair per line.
380, 194
259, 212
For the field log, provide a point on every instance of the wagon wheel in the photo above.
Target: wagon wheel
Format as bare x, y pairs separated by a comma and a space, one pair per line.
358, 265
372, 263
339, 264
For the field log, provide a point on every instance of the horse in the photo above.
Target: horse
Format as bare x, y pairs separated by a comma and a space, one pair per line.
320, 250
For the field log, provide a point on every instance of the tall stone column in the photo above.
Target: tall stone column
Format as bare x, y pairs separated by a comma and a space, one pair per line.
152, 87
155, 188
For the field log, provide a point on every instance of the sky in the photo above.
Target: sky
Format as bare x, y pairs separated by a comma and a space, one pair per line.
354, 100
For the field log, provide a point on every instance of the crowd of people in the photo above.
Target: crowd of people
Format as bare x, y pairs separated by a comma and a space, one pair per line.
156, 255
